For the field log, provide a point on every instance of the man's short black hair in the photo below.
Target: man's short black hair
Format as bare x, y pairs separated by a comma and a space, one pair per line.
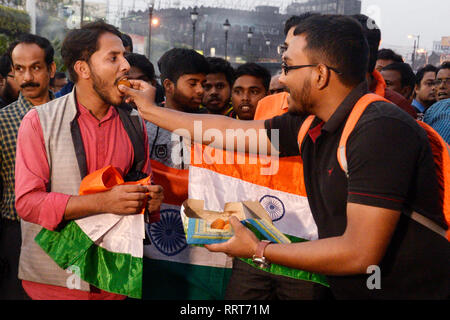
180, 61
127, 41
5, 65
58, 75
339, 42
421, 73
42, 42
444, 65
294, 21
140, 61
80, 44
373, 36
219, 65
406, 72
255, 70
389, 54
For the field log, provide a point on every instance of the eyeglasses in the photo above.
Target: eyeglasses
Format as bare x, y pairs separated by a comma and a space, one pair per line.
282, 49
438, 82
287, 68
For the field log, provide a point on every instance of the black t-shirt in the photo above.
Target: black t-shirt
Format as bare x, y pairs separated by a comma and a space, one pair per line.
391, 166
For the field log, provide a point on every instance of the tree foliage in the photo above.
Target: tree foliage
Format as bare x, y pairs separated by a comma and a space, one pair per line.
14, 22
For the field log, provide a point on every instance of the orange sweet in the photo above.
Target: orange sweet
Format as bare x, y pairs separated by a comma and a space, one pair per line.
227, 226
218, 224
124, 82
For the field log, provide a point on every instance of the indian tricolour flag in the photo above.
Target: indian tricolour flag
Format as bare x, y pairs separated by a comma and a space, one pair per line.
105, 250
172, 268
277, 183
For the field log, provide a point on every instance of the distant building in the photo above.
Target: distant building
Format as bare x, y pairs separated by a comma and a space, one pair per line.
175, 30
441, 51
347, 7
442, 46
266, 24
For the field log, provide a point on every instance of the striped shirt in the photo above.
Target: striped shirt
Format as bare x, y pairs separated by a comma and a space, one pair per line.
10, 118
438, 117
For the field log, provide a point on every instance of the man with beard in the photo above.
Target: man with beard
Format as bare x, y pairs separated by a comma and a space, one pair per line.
251, 84
183, 74
62, 141
9, 90
33, 66
184, 89
363, 214
219, 82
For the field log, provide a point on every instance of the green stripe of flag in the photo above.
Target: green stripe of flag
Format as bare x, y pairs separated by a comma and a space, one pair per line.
119, 273
286, 271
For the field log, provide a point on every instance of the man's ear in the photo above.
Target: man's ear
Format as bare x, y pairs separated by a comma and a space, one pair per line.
322, 76
82, 69
52, 69
169, 86
407, 91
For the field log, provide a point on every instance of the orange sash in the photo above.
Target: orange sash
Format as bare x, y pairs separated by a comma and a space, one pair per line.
105, 179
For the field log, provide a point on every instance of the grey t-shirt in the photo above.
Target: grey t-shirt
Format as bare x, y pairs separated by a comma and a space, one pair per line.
168, 148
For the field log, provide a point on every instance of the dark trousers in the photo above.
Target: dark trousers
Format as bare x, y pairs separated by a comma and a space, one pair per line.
10, 242
250, 283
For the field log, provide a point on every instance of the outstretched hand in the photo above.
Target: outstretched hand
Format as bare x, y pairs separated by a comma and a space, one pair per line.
243, 244
141, 93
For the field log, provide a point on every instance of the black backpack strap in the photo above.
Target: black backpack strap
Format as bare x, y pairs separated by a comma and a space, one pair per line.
134, 127
79, 147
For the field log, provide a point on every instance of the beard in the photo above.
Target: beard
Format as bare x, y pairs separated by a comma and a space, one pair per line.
100, 87
301, 103
186, 104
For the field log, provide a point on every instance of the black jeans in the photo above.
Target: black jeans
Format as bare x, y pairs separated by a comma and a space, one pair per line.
250, 283
10, 242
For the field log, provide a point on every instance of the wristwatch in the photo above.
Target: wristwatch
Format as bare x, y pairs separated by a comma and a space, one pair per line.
258, 258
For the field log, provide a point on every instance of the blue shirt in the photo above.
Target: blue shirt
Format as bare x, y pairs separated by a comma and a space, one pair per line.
65, 90
438, 117
418, 106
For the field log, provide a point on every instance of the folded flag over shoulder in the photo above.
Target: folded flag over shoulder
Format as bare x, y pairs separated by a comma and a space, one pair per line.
218, 182
107, 249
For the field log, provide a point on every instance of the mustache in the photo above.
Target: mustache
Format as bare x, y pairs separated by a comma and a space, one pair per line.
30, 84
213, 97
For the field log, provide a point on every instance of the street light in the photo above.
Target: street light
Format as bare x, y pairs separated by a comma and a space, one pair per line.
150, 22
226, 27
194, 17
81, 13
268, 47
416, 45
249, 37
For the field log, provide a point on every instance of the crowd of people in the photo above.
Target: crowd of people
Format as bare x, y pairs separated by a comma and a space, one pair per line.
387, 207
